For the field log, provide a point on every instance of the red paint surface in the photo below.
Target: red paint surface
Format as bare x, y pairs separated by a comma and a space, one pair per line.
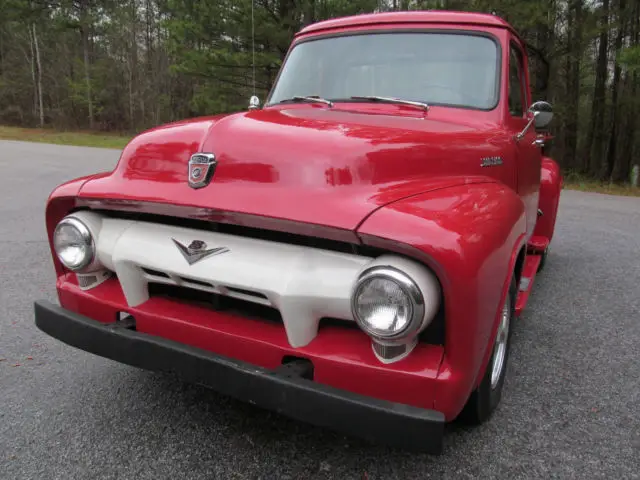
396, 19
550, 189
384, 175
306, 163
61, 201
470, 236
342, 357
537, 244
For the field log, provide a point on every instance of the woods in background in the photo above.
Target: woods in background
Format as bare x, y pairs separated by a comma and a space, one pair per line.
126, 65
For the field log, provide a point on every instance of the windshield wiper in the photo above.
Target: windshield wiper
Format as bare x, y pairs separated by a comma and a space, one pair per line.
310, 98
400, 101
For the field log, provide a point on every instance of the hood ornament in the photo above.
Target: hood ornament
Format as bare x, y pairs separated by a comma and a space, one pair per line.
197, 250
201, 168
254, 103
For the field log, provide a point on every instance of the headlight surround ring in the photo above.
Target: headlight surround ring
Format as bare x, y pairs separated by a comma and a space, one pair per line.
403, 283
85, 242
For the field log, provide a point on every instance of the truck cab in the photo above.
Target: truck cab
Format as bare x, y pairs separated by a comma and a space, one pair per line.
468, 70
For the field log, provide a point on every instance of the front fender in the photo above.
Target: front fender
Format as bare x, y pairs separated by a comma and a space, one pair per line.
550, 188
470, 236
61, 201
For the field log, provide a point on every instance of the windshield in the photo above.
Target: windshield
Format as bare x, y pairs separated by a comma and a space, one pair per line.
436, 68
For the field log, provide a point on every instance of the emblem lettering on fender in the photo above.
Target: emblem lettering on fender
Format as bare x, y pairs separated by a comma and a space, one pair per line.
197, 250
201, 168
490, 161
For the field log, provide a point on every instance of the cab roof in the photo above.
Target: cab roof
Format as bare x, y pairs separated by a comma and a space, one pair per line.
424, 16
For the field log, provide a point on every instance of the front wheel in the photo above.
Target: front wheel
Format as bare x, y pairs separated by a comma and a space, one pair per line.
486, 397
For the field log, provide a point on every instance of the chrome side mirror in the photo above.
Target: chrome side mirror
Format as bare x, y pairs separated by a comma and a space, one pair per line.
254, 103
543, 114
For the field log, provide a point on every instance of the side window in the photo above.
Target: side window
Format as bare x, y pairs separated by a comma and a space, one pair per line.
516, 92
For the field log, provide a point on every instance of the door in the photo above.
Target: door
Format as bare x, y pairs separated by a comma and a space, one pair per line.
527, 153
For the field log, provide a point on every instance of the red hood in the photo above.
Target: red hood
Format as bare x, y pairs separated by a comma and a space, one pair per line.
306, 163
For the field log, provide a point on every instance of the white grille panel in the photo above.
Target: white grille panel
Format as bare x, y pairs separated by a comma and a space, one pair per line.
304, 284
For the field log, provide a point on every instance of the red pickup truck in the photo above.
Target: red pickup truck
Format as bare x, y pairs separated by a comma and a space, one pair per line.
351, 254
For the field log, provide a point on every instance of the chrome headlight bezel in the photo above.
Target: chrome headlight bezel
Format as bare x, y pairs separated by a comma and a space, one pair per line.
407, 285
87, 239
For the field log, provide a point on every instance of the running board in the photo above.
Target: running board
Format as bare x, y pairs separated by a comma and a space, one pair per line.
529, 270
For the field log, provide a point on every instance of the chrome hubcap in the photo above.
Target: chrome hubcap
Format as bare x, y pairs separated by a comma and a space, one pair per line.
500, 348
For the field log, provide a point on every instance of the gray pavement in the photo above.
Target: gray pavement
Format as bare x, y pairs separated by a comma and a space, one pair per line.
571, 407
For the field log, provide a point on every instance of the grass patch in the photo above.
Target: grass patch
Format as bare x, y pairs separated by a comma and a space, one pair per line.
81, 139
574, 180
600, 187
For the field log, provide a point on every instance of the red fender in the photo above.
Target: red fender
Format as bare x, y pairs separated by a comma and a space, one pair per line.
550, 188
470, 236
61, 201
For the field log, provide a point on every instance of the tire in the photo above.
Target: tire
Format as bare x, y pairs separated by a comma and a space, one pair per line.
485, 398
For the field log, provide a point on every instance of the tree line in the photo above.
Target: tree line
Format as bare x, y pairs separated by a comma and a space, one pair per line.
126, 65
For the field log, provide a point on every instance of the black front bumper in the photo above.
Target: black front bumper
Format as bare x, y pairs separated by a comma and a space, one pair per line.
376, 420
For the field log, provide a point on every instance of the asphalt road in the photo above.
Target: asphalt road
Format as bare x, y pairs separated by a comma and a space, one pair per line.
571, 407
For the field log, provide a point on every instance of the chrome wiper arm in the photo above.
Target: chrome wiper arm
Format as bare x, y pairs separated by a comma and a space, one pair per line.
310, 98
400, 101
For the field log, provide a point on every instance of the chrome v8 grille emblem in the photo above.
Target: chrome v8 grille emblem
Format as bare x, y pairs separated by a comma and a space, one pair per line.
197, 250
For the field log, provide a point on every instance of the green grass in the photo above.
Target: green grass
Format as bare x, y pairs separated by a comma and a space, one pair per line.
576, 181
602, 187
81, 139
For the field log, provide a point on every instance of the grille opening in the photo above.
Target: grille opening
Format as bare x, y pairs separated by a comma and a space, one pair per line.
249, 293
155, 273
296, 367
196, 282
125, 320
215, 302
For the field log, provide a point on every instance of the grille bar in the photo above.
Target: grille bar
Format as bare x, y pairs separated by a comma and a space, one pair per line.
215, 302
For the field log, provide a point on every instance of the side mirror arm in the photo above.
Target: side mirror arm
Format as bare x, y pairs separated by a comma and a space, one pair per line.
521, 135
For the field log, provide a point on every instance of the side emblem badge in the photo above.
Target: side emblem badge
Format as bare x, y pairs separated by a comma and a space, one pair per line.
490, 161
201, 169
197, 250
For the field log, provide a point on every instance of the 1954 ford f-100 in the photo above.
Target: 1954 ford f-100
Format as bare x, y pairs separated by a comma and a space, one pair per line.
351, 254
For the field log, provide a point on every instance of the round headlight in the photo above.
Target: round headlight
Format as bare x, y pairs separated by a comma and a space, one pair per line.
387, 304
73, 244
